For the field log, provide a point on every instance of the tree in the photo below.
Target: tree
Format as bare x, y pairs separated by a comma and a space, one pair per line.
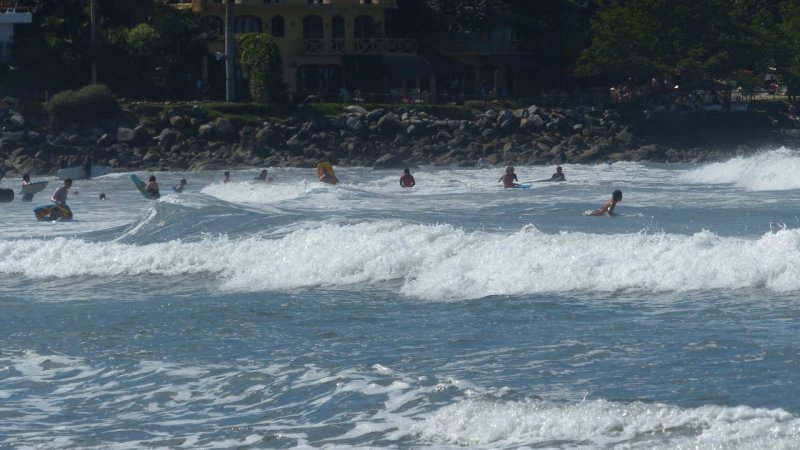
699, 40
260, 60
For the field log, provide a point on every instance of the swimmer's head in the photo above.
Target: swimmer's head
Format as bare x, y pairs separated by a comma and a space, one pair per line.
102, 196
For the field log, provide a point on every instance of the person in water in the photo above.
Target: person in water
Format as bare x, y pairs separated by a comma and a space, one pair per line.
87, 168
262, 176
509, 178
60, 195
26, 180
180, 187
406, 179
325, 173
559, 175
608, 207
102, 196
152, 187
227, 177
60, 210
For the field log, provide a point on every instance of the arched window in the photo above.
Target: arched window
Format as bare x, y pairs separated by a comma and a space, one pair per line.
213, 26
247, 24
364, 27
312, 27
277, 26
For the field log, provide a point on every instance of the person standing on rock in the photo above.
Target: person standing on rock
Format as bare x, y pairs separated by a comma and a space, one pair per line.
407, 180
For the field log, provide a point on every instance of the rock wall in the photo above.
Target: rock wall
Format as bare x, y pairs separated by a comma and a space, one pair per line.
185, 138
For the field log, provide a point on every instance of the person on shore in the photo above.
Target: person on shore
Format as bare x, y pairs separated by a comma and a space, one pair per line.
509, 178
406, 179
152, 187
559, 175
325, 173
608, 207
180, 187
226, 177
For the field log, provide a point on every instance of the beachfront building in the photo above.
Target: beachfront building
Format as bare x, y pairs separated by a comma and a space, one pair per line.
344, 50
10, 15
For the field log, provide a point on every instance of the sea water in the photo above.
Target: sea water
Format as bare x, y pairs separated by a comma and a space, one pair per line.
455, 314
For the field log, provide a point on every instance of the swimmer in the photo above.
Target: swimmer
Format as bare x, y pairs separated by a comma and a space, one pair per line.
608, 207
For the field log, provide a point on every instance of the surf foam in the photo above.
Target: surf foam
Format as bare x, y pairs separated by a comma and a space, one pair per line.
435, 261
774, 170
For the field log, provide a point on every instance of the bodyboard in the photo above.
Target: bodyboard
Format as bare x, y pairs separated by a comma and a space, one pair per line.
33, 187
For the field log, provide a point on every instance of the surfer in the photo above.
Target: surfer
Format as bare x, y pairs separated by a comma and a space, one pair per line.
152, 187
180, 187
509, 178
325, 173
608, 207
559, 175
262, 176
226, 177
406, 179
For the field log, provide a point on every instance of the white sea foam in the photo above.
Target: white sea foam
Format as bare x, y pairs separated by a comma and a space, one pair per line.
483, 423
774, 170
436, 261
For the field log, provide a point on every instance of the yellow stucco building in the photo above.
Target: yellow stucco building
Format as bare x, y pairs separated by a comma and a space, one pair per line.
340, 50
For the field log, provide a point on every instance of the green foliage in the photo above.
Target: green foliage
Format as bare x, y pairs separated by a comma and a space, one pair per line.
469, 16
699, 40
90, 104
260, 60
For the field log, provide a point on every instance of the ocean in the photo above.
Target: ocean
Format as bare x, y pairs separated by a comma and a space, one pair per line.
454, 314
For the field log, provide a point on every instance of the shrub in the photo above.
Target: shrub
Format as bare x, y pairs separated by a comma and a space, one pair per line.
90, 104
260, 60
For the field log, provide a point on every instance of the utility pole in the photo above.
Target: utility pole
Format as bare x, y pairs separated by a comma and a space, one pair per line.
230, 53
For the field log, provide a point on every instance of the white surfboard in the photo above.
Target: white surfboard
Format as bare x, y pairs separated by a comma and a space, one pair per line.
77, 172
34, 187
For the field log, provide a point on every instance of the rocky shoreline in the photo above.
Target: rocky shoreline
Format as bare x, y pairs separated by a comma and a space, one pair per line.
184, 138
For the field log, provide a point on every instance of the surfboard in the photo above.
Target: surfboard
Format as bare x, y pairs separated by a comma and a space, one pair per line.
78, 173
140, 185
51, 211
30, 189
524, 186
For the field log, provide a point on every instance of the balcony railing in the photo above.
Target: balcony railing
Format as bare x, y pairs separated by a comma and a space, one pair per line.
369, 46
385, 45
